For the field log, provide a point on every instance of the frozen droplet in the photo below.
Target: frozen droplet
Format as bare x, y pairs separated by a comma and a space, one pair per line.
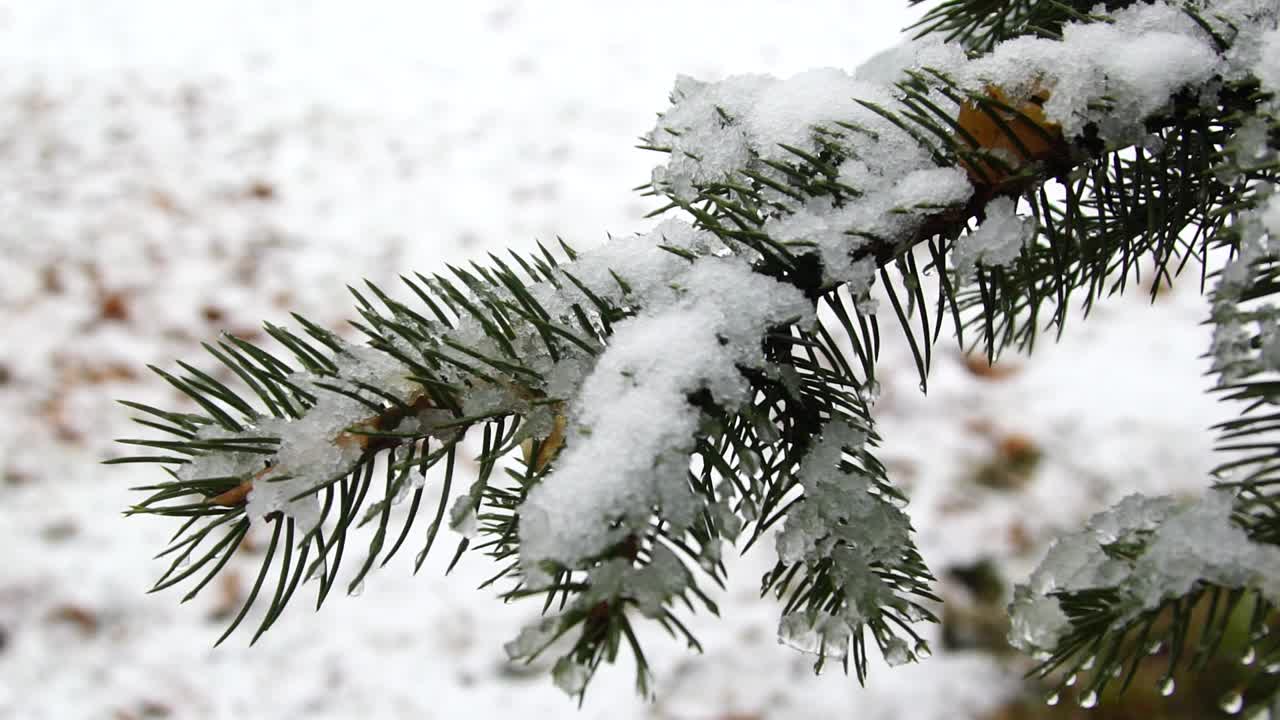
1052, 699
356, 590
569, 676
922, 650
896, 653
532, 639
869, 393
1071, 680
184, 560
1167, 686
1089, 699
1249, 656
464, 520
1232, 702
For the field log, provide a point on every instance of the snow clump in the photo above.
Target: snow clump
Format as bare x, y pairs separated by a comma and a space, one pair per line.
1148, 550
632, 426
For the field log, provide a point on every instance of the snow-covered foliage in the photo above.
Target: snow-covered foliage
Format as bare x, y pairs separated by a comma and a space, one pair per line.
1235, 354
633, 420
1110, 75
1180, 544
629, 354
847, 521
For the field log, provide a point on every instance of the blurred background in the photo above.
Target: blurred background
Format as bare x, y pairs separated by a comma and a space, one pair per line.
171, 170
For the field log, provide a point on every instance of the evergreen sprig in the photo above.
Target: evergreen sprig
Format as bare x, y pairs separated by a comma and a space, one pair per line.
1103, 214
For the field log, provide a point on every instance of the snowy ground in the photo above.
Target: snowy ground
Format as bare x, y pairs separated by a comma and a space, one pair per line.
169, 170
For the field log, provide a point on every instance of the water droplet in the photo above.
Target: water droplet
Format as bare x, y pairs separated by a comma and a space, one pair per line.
1232, 702
1155, 647
465, 520
356, 591
1071, 680
922, 650
924, 388
1261, 632
1117, 671
1249, 656
1272, 668
569, 676
869, 393
185, 560
895, 653
1167, 686
1051, 700
1088, 663
1089, 699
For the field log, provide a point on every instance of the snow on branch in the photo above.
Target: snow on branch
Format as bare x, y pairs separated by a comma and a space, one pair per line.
628, 353
1148, 550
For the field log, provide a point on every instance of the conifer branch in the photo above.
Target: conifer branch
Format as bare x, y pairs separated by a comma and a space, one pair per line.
747, 338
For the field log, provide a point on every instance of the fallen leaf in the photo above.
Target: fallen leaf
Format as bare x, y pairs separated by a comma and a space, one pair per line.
230, 596
83, 618
262, 190
977, 365
113, 307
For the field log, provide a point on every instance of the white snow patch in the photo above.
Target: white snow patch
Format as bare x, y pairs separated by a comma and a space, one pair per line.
632, 425
997, 242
